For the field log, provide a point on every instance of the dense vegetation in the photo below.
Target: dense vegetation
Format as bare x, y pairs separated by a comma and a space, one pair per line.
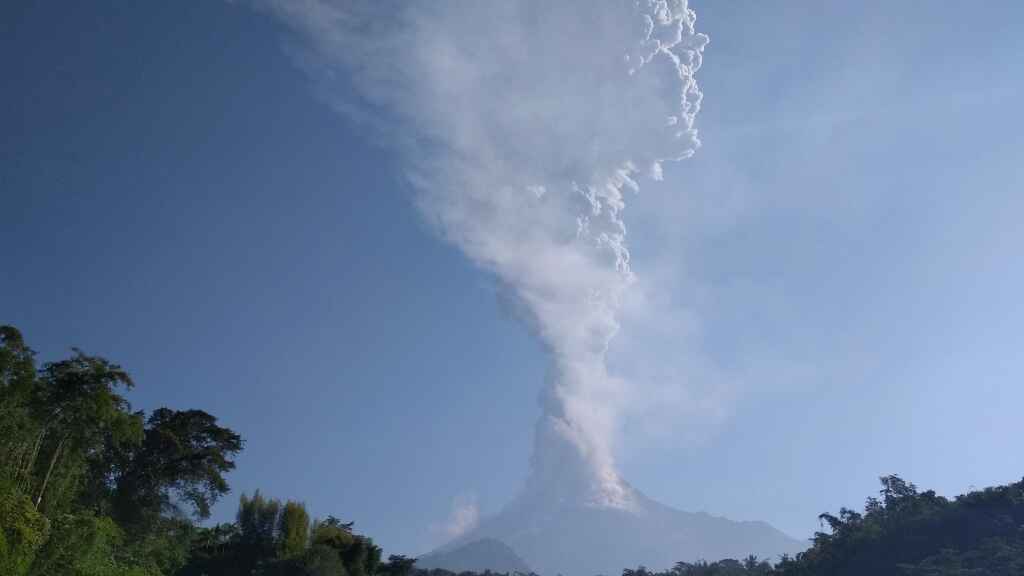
911, 533
89, 487
903, 532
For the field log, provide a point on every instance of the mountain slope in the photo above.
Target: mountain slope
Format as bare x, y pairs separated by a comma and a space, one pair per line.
475, 556
558, 535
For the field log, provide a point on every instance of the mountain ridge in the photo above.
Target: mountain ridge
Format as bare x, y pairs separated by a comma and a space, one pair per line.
557, 534
476, 556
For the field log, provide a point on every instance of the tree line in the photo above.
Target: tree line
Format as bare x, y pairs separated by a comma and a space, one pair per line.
91, 487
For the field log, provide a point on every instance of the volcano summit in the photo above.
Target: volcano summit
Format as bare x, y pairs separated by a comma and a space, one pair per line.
573, 537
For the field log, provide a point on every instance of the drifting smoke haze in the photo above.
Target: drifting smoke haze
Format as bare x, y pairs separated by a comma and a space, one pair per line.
524, 127
464, 516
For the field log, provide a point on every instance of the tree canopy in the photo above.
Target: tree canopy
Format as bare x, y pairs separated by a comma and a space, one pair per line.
89, 486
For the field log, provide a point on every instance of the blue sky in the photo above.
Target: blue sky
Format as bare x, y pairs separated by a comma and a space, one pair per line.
839, 264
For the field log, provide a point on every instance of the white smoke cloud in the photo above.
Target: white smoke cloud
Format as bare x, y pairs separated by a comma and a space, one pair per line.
464, 516
524, 126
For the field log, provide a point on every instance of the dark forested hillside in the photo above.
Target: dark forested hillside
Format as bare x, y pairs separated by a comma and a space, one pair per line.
907, 532
91, 487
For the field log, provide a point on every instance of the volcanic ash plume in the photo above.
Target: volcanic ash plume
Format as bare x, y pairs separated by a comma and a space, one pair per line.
524, 126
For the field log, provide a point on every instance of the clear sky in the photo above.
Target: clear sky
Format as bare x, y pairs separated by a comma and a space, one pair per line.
837, 270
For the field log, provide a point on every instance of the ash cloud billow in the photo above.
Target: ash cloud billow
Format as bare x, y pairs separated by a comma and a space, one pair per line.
524, 126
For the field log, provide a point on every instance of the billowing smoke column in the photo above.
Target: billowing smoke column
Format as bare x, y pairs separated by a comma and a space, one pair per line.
524, 126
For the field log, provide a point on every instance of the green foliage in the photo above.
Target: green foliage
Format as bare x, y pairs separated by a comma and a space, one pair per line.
82, 412
23, 530
182, 458
992, 557
398, 565
257, 522
161, 548
358, 553
84, 545
78, 466
17, 385
271, 539
333, 533
293, 529
213, 551
910, 532
323, 560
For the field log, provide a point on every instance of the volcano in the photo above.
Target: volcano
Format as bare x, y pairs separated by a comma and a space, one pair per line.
557, 534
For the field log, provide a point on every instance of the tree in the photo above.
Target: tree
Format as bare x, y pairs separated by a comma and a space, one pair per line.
17, 385
86, 487
293, 530
323, 560
358, 553
905, 531
183, 457
84, 545
23, 531
81, 409
333, 533
398, 565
